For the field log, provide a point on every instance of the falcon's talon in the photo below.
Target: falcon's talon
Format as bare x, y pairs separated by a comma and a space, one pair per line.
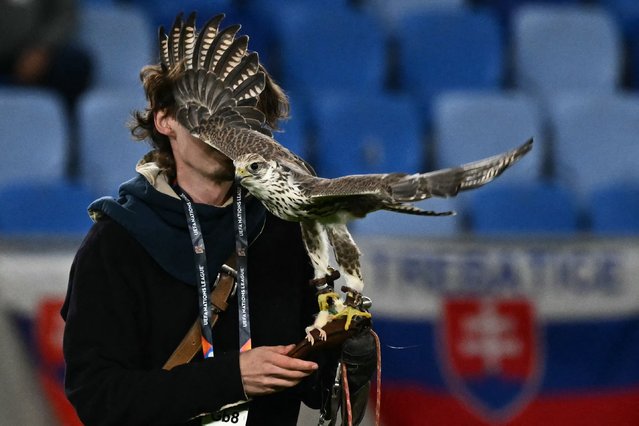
351, 312
322, 334
330, 304
309, 335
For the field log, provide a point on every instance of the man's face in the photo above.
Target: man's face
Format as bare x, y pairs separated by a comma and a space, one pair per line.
199, 156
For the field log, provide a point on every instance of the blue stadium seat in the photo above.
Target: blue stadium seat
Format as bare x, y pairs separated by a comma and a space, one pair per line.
563, 48
523, 210
391, 224
506, 8
390, 13
163, 12
448, 49
35, 136
614, 210
626, 13
595, 139
107, 154
294, 133
366, 134
120, 40
330, 48
471, 125
53, 208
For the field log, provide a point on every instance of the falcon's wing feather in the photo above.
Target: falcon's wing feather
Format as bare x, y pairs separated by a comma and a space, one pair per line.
217, 90
401, 187
219, 83
345, 186
223, 89
165, 57
174, 40
205, 40
231, 57
221, 43
250, 89
448, 182
238, 75
188, 37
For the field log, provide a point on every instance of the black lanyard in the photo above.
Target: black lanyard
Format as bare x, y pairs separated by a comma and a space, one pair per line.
239, 413
202, 272
241, 248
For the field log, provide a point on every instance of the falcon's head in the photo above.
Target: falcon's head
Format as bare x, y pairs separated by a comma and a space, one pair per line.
272, 183
253, 169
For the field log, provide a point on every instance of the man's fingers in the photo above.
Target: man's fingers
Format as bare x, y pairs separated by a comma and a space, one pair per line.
282, 360
289, 363
268, 369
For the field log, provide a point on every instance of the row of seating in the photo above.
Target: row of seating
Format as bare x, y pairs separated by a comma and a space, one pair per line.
579, 144
594, 147
340, 46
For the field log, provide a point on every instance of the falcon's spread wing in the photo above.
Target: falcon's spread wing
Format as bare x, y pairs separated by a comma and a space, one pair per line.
391, 191
218, 89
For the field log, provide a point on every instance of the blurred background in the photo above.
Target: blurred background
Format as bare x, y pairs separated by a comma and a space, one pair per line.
521, 309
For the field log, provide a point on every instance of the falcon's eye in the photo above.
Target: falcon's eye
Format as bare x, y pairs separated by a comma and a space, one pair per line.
254, 167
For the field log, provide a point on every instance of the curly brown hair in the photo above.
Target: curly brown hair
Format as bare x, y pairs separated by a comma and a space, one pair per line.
158, 83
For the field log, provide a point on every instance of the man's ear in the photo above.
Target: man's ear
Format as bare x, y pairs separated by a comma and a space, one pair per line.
163, 121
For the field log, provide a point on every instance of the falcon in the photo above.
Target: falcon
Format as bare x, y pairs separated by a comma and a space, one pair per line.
216, 90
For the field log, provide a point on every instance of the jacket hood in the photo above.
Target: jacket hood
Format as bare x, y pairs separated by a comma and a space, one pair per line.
150, 210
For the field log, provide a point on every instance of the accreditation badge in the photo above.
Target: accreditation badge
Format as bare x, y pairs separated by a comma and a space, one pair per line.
234, 415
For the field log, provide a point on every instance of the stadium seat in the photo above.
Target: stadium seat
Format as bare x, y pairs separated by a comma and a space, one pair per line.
563, 48
35, 136
626, 13
443, 50
391, 224
120, 40
163, 12
614, 210
108, 155
523, 210
294, 133
330, 48
472, 125
390, 13
595, 139
366, 134
54, 208
506, 8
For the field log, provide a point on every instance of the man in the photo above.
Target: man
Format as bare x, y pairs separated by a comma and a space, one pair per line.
36, 48
132, 290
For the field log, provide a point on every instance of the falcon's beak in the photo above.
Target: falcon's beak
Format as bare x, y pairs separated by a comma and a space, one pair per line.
241, 172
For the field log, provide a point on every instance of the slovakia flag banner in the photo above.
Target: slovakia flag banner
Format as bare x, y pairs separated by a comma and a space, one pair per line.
499, 332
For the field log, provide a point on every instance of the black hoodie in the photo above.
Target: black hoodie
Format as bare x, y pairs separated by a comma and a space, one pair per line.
131, 299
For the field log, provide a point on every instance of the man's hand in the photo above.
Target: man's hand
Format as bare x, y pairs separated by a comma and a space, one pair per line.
267, 369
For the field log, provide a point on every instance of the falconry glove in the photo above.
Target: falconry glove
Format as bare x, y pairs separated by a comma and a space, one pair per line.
350, 387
